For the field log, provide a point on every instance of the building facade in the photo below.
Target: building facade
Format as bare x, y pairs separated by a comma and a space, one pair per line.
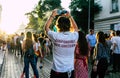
21, 28
109, 18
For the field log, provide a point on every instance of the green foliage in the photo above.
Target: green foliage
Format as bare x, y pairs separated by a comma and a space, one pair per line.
47, 5
33, 21
79, 11
97, 8
42, 10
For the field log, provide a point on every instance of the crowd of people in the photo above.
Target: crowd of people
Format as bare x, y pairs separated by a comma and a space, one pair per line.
18, 44
72, 49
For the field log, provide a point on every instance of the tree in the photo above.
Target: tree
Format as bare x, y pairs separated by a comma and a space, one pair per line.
42, 11
33, 21
79, 10
47, 5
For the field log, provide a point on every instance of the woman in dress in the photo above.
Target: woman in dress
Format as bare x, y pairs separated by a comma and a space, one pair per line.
81, 54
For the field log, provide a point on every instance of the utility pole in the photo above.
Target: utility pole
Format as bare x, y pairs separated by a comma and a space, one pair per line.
88, 15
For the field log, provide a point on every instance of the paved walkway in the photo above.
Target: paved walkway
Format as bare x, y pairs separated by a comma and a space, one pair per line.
13, 66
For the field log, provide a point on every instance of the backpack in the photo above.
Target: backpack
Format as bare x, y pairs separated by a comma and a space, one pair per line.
18, 42
30, 52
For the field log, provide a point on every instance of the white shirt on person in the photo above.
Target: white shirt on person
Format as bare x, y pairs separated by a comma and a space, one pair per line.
116, 40
63, 50
15, 38
36, 45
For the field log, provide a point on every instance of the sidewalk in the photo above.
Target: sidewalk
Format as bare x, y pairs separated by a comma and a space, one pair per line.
13, 67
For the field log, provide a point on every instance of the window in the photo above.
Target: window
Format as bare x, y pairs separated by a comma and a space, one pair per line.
112, 27
114, 7
115, 26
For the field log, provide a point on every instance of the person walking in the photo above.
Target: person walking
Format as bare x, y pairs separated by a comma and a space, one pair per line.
29, 56
64, 43
81, 55
116, 51
91, 39
21, 41
41, 39
101, 56
15, 44
37, 47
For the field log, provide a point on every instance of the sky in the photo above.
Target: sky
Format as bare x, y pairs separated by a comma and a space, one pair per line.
65, 4
13, 13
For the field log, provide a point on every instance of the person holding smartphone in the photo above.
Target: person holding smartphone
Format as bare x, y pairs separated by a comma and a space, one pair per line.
64, 42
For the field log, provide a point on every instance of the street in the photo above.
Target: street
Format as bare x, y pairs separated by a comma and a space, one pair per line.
13, 67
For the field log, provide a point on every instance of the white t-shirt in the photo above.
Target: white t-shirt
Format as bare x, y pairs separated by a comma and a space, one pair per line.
36, 45
63, 50
116, 40
15, 38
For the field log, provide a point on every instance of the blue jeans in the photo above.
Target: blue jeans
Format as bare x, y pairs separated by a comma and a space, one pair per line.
33, 63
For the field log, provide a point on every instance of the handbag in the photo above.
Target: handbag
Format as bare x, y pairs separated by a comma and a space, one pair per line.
37, 53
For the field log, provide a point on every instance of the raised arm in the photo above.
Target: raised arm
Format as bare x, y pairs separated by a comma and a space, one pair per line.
49, 21
73, 23
54, 13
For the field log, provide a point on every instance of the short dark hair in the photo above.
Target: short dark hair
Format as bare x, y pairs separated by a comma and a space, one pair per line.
117, 33
91, 30
63, 23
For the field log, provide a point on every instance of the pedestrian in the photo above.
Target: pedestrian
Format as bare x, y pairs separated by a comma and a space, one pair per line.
15, 44
116, 51
81, 55
92, 41
41, 40
29, 56
12, 44
8, 44
101, 56
21, 41
112, 34
18, 45
47, 44
64, 42
4, 46
37, 48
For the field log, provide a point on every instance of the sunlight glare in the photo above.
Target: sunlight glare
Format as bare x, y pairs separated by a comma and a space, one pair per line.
8, 29
13, 13
65, 4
